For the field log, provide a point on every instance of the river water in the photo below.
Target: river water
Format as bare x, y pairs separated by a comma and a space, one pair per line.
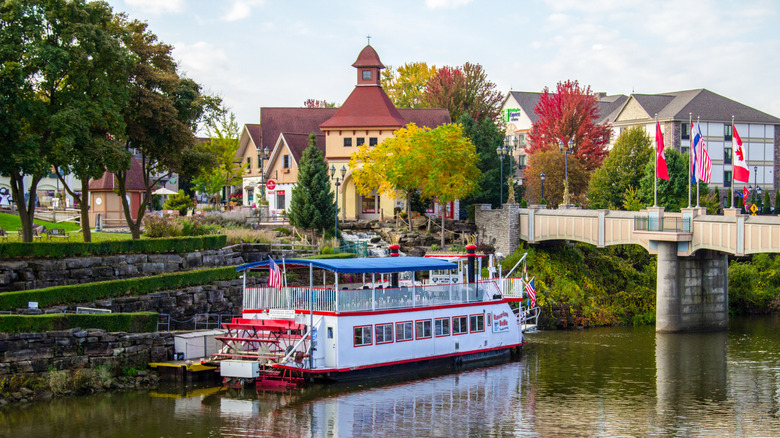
595, 382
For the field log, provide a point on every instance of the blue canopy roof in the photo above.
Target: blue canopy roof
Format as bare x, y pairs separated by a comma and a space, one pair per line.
363, 265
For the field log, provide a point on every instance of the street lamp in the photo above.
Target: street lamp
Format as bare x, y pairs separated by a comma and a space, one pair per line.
262, 155
759, 201
338, 183
565, 151
501, 151
542, 176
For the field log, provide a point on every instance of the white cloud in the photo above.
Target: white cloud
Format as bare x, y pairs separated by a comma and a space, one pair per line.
446, 4
156, 7
241, 9
200, 58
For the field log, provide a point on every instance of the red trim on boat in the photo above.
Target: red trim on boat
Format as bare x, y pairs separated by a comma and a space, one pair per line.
397, 362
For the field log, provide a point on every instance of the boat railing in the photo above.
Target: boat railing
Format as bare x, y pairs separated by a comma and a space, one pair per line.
511, 287
368, 299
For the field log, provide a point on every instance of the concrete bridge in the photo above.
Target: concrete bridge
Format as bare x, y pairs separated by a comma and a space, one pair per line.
692, 249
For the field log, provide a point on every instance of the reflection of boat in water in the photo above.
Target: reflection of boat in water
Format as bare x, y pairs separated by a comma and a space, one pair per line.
474, 402
289, 335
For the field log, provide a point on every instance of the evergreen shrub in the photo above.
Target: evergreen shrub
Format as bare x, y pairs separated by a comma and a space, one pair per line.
56, 250
140, 322
82, 293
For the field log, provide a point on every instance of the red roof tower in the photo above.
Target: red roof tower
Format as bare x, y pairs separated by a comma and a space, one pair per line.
368, 105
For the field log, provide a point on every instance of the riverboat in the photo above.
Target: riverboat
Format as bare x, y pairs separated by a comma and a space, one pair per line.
371, 321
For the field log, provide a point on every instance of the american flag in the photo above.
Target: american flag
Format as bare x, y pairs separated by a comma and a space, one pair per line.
274, 275
531, 291
704, 167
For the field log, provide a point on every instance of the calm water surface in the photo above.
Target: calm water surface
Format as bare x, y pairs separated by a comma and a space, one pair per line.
597, 382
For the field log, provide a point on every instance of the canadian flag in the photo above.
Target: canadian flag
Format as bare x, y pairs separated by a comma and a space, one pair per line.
741, 170
660, 158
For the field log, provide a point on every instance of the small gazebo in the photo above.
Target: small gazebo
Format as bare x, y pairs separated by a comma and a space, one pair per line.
103, 197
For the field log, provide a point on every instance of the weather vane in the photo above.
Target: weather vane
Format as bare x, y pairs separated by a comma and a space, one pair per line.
369, 39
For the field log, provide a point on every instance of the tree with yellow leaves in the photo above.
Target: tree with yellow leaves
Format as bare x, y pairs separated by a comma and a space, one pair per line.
441, 163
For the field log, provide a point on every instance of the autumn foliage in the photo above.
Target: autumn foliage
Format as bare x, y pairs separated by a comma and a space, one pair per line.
464, 90
571, 113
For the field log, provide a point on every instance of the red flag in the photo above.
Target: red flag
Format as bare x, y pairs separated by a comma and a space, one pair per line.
745, 194
741, 169
660, 158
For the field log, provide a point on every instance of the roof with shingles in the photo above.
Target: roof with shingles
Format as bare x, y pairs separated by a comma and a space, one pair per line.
274, 121
135, 180
368, 58
430, 117
607, 105
367, 106
299, 142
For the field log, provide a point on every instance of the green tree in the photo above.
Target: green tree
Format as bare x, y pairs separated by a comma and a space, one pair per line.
767, 207
777, 201
223, 133
312, 205
406, 85
486, 137
611, 183
163, 112
552, 164
180, 201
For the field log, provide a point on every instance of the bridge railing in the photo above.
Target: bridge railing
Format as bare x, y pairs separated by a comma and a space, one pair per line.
665, 224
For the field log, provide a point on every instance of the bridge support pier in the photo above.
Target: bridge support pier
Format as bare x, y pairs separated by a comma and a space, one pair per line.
691, 292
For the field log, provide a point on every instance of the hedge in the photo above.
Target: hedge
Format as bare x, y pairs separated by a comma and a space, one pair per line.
81, 249
88, 292
139, 322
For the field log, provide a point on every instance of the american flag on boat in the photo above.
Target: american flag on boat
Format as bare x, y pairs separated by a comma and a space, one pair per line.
274, 275
531, 291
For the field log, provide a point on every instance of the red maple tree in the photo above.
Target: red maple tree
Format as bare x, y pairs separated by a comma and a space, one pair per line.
463, 90
571, 113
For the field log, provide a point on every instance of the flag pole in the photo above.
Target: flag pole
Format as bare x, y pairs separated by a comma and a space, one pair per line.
732, 163
655, 177
698, 118
690, 157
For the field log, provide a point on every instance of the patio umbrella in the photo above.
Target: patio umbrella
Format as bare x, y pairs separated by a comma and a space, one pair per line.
164, 191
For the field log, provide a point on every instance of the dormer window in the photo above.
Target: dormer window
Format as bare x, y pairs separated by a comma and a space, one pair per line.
366, 75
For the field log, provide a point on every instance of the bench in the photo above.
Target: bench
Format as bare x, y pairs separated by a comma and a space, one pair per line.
37, 233
57, 232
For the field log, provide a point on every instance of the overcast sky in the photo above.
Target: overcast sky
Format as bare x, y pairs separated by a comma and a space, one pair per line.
256, 53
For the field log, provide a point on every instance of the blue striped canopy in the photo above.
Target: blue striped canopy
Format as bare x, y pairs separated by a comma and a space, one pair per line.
362, 265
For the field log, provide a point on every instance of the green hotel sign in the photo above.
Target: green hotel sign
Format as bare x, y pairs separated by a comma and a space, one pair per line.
512, 115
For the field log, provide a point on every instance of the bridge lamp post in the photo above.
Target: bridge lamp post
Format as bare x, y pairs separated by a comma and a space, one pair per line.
755, 180
759, 201
542, 177
338, 183
501, 151
565, 151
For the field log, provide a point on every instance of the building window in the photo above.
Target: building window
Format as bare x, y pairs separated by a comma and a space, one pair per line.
249, 163
403, 331
285, 162
384, 333
369, 203
477, 323
423, 329
361, 141
727, 178
727, 154
727, 130
280, 200
441, 327
347, 142
366, 75
685, 130
250, 195
372, 141
363, 336
521, 160
459, 325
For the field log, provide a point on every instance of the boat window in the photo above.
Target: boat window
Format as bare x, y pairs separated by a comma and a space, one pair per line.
330, 332
477, 323
442, 327
459, 325
423, 329
403, 331
384, 333
363, 336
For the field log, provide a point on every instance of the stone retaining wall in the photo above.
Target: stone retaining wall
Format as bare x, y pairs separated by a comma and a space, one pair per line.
40, 273
38, 353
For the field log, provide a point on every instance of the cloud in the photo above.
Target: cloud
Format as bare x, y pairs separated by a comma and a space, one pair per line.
241, 9
157, 7
446, 4
200, 58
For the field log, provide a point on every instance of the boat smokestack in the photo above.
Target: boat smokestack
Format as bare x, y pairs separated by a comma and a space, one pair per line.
471, 254
394, 252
